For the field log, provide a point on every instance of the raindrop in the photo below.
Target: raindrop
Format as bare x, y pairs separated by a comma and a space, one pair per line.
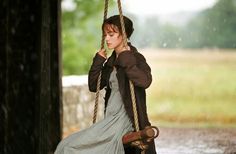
180, 39
4, 108
32, 18
13, 31
164, 44
21, 67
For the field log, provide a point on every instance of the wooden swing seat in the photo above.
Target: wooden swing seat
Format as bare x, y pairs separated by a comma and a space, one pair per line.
147, 134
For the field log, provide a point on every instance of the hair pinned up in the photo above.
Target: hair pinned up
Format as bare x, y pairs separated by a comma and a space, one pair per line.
115, 20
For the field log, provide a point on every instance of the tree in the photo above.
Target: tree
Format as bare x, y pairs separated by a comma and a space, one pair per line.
81, 35
214, 27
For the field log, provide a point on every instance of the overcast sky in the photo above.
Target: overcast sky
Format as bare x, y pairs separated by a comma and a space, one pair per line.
155, 7
162, 7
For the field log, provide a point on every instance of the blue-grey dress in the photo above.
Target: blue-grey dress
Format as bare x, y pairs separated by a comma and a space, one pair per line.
104, 137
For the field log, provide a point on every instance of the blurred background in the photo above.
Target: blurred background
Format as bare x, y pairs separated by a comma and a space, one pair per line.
190, 46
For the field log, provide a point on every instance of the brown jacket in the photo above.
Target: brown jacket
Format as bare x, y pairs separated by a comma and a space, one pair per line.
130, 65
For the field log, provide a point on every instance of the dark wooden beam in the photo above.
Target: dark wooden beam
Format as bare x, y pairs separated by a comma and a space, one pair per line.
30, 78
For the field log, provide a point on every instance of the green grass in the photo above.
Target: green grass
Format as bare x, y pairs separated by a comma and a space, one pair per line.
192, 88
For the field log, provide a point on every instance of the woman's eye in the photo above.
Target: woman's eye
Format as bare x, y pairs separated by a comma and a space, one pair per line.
110, 34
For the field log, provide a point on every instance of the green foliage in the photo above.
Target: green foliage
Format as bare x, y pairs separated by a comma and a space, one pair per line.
81, 35
210, 28
214, 27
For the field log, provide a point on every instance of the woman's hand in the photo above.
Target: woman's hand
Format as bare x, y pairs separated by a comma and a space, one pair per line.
102, 52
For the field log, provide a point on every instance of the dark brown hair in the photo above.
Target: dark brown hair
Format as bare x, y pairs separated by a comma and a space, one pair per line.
115, 20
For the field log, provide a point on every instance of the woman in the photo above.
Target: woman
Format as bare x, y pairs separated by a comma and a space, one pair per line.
125, 63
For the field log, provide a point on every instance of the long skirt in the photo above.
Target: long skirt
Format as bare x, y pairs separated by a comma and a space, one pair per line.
104, 137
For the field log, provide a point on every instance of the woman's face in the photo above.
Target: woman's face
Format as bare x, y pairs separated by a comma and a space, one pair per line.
112, 36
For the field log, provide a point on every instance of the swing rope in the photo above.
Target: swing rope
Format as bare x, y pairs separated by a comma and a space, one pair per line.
134, 106
130, 82
122, 24
104, 18
100, 74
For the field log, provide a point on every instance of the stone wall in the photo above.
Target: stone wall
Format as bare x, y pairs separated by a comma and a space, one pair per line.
78, 104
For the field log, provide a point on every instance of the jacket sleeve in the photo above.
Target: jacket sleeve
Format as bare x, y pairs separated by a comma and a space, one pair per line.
136, 68
95, 69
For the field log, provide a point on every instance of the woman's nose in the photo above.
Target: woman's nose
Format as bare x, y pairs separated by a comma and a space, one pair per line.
106, 38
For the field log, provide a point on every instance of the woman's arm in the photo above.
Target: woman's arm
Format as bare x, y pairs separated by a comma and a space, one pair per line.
136, 68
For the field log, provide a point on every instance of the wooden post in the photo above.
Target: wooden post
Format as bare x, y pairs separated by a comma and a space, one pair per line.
30, 76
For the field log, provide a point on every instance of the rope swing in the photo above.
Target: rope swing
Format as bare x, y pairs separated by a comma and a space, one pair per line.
100, 74
139, 138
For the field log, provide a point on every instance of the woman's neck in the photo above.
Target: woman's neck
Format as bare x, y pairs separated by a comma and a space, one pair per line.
121, 48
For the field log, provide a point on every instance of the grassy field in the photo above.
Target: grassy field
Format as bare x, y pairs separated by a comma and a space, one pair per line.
192, 88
